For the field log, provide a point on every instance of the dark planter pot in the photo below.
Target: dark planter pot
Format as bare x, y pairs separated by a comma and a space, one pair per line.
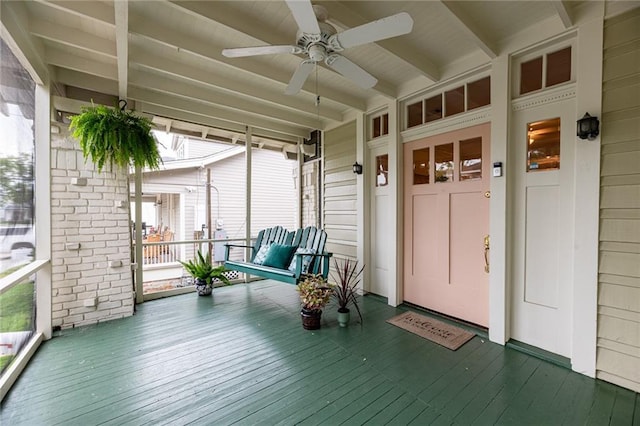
203, 288
310, 319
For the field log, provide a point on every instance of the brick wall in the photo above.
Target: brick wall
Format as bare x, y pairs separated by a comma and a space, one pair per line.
92, 212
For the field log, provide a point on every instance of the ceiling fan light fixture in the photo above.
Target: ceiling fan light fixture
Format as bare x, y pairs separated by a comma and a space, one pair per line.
317, 53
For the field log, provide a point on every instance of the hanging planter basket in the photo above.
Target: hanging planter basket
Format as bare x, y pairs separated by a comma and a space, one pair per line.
115, 136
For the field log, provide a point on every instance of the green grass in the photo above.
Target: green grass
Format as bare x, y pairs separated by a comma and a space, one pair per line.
5, 360
16, 308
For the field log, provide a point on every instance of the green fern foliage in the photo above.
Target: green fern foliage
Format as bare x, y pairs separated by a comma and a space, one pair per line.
115, 136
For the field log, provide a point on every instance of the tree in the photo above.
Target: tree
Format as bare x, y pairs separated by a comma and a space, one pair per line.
16, 182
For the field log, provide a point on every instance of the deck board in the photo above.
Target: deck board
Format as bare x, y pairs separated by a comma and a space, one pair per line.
242, 357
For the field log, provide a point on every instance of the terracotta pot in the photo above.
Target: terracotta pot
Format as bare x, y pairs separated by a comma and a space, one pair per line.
310, 319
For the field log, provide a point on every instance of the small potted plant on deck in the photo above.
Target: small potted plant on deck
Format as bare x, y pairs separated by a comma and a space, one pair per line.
345, 290
204, 273
315, 293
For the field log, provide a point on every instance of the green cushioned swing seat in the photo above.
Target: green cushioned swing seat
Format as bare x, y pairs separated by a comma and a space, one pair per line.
290, 254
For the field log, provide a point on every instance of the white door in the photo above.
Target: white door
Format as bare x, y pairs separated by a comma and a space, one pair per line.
542, 159
380, 224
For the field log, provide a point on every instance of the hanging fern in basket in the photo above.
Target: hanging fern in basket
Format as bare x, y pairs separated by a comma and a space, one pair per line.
115, 136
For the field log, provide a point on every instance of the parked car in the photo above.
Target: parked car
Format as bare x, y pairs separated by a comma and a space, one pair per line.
15, 238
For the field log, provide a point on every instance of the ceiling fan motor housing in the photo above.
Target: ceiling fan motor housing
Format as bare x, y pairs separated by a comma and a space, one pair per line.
310, 42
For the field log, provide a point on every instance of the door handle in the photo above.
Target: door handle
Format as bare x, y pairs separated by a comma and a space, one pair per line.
487, 247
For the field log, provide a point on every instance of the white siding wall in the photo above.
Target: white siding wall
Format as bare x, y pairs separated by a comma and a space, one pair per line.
339, 182
87, 215
618, 356
197, 148
273, 193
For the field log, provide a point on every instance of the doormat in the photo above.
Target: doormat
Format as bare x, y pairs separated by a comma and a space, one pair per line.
446, 335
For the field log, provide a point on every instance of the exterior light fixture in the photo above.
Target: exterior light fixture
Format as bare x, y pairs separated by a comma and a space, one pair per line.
357, 168
588, 127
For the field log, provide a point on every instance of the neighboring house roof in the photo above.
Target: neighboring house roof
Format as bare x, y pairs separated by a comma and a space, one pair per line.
190, 163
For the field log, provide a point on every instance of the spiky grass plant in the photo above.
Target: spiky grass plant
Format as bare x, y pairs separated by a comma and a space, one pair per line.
345, 290
115, 136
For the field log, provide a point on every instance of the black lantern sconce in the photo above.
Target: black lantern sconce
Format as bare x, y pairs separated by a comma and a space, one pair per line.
588, 127
357, 168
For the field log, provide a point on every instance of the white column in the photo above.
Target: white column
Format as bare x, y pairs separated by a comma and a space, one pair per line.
248, 139
43, 207
499, 314
361, 182
587, 197
396, 279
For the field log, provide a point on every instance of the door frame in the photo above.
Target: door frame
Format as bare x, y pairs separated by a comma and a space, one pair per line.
379, 147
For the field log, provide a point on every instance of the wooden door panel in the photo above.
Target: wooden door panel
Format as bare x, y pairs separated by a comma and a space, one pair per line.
446, 219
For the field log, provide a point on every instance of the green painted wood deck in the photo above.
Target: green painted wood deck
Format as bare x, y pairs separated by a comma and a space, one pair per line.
242, 357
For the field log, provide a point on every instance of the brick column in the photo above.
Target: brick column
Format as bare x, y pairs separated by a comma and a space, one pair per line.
90, 254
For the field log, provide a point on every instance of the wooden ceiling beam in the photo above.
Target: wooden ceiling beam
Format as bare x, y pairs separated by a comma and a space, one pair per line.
469, 27
97, 11
121, 10
215, 97
63, 59
176, 69
72, 37
562, 9
177, 102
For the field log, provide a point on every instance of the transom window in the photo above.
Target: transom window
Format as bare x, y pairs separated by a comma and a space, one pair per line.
379, 125
545, 70
451, 102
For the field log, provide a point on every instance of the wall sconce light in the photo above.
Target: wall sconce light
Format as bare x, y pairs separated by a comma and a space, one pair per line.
588, 127
357, 168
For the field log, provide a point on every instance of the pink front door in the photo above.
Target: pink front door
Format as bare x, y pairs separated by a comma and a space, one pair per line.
446, 205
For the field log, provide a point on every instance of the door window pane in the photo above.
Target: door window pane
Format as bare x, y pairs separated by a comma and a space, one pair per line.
433, 107
421, 166
479, 93
543, 145
471, 159
385, 124
531, 76
444, 163
382, 170
414, 114
559, 67
454, 101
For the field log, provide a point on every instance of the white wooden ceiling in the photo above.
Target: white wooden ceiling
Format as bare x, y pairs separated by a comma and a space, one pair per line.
166, 55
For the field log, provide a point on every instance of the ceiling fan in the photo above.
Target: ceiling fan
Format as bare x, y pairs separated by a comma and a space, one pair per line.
319, 41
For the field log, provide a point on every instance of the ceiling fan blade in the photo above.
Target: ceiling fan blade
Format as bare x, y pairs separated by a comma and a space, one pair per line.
391, 26
351, 71
240, 52
303, 14
299, 77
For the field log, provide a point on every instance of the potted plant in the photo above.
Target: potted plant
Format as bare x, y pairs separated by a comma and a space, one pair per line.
315, 293
204, 273
347, 277
115, 136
